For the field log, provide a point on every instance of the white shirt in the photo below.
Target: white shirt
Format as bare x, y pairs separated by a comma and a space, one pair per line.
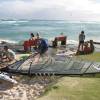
11, 53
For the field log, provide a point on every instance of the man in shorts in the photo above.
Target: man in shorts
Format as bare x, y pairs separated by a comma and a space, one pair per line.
81, 41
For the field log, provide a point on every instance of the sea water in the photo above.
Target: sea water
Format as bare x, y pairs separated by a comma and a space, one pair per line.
19, 30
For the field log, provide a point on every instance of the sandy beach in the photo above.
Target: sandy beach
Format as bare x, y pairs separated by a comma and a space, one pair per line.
27, 88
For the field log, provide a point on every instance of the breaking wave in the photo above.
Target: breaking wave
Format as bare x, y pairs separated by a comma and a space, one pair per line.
8, 41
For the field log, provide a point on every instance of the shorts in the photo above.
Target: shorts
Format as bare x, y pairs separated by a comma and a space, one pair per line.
81, 42
42, 50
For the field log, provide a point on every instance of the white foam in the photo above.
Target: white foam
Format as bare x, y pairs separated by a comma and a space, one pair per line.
8, 41
72, 42
8, 22
12, 22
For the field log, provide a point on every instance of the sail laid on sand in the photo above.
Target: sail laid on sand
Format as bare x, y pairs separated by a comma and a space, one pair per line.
50, 65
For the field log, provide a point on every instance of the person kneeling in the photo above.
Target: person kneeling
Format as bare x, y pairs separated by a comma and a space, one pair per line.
87, 49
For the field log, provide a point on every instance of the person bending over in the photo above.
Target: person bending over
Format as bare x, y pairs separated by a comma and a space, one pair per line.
42, 49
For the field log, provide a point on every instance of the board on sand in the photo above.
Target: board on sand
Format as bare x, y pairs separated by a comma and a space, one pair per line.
6, 78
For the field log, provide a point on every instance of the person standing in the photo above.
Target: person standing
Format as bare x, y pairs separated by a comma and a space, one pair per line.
81, 41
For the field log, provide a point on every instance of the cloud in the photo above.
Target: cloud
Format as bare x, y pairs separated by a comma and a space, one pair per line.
51, 9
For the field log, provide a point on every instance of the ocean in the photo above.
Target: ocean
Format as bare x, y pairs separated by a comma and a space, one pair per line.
19, 30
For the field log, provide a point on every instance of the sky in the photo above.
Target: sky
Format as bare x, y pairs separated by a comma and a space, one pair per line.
83, 10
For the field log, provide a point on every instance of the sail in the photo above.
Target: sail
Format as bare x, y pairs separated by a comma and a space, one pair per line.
50, 65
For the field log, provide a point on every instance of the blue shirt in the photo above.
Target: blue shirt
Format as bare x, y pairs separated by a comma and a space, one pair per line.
43, 44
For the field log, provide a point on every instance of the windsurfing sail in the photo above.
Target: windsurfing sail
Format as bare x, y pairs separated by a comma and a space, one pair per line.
49, 65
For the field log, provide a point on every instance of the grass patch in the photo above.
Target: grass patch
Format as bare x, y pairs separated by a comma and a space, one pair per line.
50, 88
76, 88
90, 57
23, 57
55, 87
